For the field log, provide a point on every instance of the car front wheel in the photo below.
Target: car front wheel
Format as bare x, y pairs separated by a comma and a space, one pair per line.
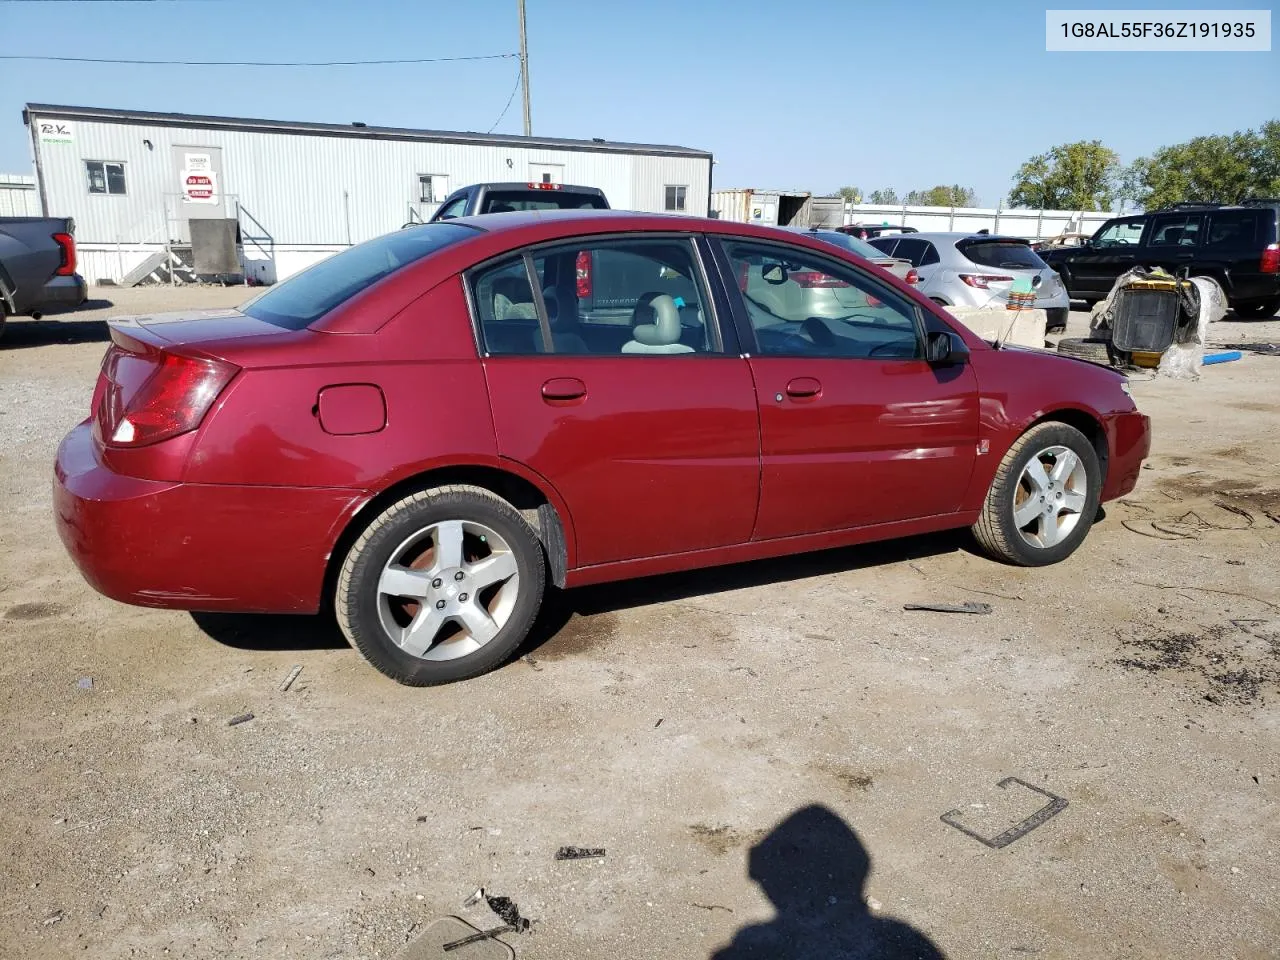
1043, 499
1257, 309
443, 585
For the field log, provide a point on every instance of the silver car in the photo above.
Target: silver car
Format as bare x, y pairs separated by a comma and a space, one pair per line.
899, 268
971, 270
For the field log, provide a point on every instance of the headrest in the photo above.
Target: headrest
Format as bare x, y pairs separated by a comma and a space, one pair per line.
665, 328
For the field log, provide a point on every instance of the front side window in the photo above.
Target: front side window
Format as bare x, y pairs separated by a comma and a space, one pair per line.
307, 296
607, 297
802, 305
675, 197
105, 177
1175, 231
1120, 233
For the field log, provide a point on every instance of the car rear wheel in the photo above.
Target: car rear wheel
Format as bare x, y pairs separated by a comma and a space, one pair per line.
1257, 309
1043, 499
442, 586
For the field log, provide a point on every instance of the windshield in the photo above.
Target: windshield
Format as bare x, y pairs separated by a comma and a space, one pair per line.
1007, 254
853, 244
309, 295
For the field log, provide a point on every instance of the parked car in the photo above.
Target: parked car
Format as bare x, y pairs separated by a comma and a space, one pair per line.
1061, 240
868, 231
901, 269
1237, 245
510, 197
38, 266
972, 269
424, 432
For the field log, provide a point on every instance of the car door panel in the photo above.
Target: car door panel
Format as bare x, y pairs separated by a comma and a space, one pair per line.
847, 441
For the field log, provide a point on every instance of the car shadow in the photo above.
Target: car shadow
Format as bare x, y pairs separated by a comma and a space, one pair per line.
263, 631
20, 332
813, 867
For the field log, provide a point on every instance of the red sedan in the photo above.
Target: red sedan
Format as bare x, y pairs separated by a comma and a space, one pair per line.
426, 430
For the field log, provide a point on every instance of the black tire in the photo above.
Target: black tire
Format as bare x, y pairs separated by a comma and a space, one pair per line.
356, 601
1257, 309
996, 531
1086, 348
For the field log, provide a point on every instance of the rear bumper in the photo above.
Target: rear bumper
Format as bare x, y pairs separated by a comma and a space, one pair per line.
195, 546
1130, 437
59, 292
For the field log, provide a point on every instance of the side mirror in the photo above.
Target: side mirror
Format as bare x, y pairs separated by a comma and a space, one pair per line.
944, 349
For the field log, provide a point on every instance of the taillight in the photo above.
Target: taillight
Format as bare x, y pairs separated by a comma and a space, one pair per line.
983, 280
1270, 259
67, 244
815, 278
582, 269
544, 186
912, 276
144, 396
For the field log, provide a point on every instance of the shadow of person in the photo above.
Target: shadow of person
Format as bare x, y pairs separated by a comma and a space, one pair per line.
813, 867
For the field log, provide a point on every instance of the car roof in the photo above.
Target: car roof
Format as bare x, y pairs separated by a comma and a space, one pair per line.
531, 187
955, 235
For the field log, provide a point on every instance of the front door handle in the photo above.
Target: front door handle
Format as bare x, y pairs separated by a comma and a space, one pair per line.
564, 388
802, 388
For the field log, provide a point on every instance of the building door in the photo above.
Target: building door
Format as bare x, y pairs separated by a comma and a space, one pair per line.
546, 173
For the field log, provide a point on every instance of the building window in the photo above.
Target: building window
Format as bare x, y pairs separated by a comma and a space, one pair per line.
105, 177
432, 187
675, 199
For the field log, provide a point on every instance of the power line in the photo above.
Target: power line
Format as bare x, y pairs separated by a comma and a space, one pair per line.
259, 63
510, 99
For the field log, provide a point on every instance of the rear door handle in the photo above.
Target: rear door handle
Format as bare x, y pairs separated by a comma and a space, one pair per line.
803, 387
564, 388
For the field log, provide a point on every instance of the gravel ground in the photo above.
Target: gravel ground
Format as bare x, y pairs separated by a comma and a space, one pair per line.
698, 727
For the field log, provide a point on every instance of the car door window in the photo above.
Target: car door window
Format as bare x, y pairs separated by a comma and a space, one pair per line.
1230, 229
605, 297
930, 255
1120, 233
1175, 231
800, 304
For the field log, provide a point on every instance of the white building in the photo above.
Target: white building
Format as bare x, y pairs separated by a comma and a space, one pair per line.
296, 192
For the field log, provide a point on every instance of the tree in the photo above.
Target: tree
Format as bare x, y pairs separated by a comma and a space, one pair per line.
850, 194
884, 195
942, 196
1071, 176
1221, 168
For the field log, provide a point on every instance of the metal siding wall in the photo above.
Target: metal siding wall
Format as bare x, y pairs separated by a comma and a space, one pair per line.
652, 175
18, 196
293, 184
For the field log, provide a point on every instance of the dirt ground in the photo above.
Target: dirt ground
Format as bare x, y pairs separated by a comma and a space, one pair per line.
698, 727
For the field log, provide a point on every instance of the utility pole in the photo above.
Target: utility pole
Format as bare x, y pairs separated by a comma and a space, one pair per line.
524, 72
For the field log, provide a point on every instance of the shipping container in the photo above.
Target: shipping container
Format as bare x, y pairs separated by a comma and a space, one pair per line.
774, 208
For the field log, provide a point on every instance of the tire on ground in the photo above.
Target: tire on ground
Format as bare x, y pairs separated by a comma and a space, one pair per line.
1257, 309
996, 531
1086, 348
356, 597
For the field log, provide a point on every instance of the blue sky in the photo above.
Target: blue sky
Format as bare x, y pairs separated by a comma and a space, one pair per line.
810, 95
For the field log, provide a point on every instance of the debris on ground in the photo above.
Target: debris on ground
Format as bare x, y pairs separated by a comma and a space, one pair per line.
711, 906
55, 917
239, 719
477, 937
85, 683
579, 853
507, 910
528, 658
475, 898
969, 606
1020, 829
288, 681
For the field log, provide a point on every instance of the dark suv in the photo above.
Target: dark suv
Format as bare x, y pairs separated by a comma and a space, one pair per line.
509, 197
1236, 245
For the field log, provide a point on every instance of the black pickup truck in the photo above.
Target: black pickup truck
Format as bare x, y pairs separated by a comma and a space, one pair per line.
38, 266
509, 197
1238, 245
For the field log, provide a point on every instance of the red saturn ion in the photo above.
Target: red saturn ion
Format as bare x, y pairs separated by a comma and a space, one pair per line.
425, 431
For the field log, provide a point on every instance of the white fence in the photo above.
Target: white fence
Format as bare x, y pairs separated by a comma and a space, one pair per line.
18, 197
1012, 222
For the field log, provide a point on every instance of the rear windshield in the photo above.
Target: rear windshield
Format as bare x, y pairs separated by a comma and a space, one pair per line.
505, 201
309, 295
1002, 253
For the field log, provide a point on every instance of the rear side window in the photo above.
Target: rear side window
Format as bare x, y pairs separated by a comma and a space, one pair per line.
1175, 231
1232, 229
910, 249
884, 244
500, 201
930, 254
307, 296
1002, 254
